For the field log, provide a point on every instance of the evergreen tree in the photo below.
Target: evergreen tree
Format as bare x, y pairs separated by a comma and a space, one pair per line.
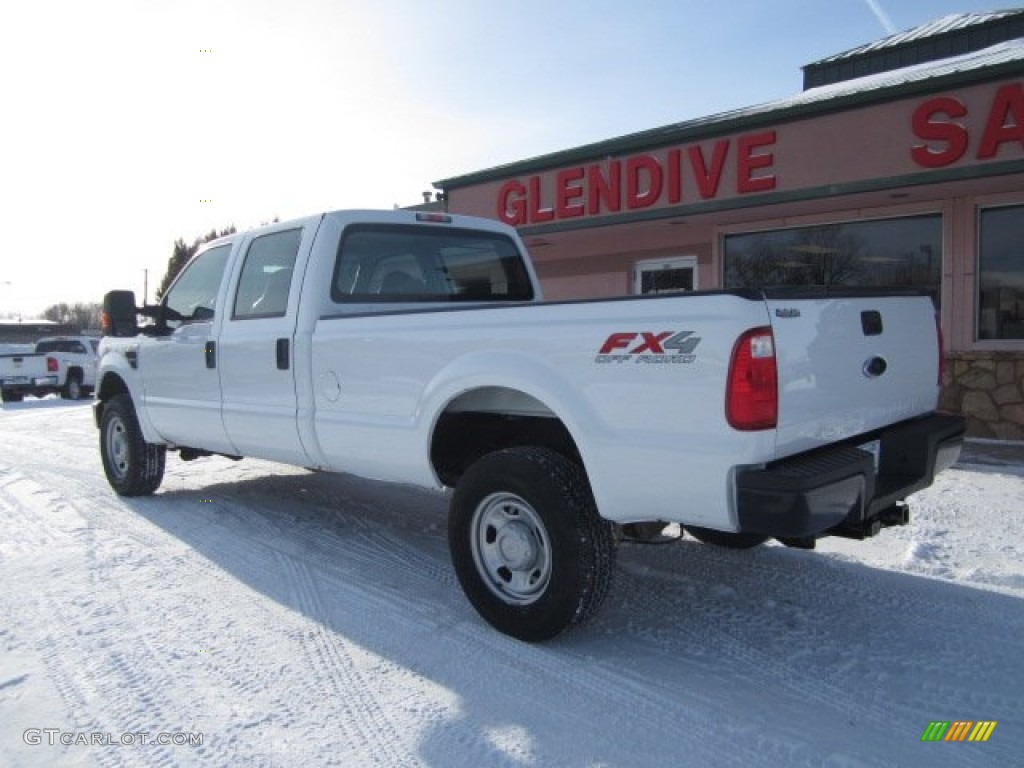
182, 253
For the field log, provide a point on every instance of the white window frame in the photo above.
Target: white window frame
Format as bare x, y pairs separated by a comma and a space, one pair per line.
657, 265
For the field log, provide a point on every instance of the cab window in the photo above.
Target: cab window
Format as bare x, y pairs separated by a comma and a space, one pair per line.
266, 277
193, 297
398, 263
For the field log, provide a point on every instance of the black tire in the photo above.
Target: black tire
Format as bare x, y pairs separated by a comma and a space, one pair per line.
727, 539
529, 549
12, 397
133, 466
72, 389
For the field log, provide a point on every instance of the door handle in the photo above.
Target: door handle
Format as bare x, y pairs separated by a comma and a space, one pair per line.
211, 354
282, 355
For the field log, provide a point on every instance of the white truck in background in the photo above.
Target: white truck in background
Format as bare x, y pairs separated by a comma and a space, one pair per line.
60, 364
78, 363
415, 348
26, 373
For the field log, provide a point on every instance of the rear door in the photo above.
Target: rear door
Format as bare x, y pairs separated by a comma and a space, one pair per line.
257, 344
849, 364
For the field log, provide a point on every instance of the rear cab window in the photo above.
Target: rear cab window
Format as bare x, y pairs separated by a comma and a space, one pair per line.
408, 263
71, 346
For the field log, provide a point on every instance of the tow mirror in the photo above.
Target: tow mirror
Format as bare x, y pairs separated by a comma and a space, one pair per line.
119, 314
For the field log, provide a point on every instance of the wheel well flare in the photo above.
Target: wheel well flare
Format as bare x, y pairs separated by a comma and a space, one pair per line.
491, 419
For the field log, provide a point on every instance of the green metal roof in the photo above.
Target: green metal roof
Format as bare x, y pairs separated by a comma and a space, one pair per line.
935, 41
954, 23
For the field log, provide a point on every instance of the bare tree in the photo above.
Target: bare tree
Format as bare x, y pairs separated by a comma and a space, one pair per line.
81, 316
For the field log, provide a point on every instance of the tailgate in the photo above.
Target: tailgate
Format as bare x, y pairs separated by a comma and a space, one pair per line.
22, 365
850, 364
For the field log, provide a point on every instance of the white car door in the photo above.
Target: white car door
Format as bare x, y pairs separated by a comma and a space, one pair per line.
256, 344
179, 369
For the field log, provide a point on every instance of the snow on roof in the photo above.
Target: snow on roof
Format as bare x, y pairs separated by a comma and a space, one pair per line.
18, 322
1001, 53
952, 23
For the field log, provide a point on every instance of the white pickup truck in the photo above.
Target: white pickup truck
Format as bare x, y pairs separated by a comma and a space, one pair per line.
60, 364
27, 373
415, 348
77, 362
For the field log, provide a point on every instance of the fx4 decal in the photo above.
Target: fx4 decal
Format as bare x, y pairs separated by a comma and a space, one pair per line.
649, 347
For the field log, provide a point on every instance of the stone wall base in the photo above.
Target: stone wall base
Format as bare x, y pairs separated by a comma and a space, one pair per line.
988, 389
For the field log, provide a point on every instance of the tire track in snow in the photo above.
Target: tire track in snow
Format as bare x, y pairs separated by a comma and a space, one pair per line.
724, 619
374, 551
87, 664
79, 663
368, 729
370, 548
932, 637
311, 524
649, 622
260, 545
367, 556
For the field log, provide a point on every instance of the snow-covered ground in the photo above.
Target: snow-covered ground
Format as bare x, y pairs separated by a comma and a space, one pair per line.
300, 619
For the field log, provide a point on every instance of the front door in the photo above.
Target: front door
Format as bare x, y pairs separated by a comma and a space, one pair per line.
179, 371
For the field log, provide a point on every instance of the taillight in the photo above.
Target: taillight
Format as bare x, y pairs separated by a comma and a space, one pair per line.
52, 366
752, 394
942, 357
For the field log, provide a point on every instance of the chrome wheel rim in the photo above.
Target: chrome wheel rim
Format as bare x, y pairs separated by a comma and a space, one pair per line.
511, 548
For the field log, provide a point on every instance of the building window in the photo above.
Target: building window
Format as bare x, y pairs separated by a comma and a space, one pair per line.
672, 275
904, 253
1001, 273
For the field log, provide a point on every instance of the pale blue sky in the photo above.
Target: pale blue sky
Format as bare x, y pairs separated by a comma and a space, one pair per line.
121, 116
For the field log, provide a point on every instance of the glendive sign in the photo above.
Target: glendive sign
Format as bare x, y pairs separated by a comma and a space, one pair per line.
641, 181
979, 124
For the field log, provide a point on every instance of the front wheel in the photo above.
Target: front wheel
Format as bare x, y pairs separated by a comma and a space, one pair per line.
529, 548
133, 466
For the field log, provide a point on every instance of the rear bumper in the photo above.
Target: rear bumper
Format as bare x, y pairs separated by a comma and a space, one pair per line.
837, 490
28, 383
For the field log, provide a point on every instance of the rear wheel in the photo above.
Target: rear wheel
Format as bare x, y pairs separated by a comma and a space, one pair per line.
72, 390
529, 549
133, 466
10, 396
727, 539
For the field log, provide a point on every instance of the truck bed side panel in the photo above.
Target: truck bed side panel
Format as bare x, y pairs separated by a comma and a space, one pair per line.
608, 370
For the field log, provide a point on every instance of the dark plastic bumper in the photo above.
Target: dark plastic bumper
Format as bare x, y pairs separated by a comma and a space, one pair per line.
837, 491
